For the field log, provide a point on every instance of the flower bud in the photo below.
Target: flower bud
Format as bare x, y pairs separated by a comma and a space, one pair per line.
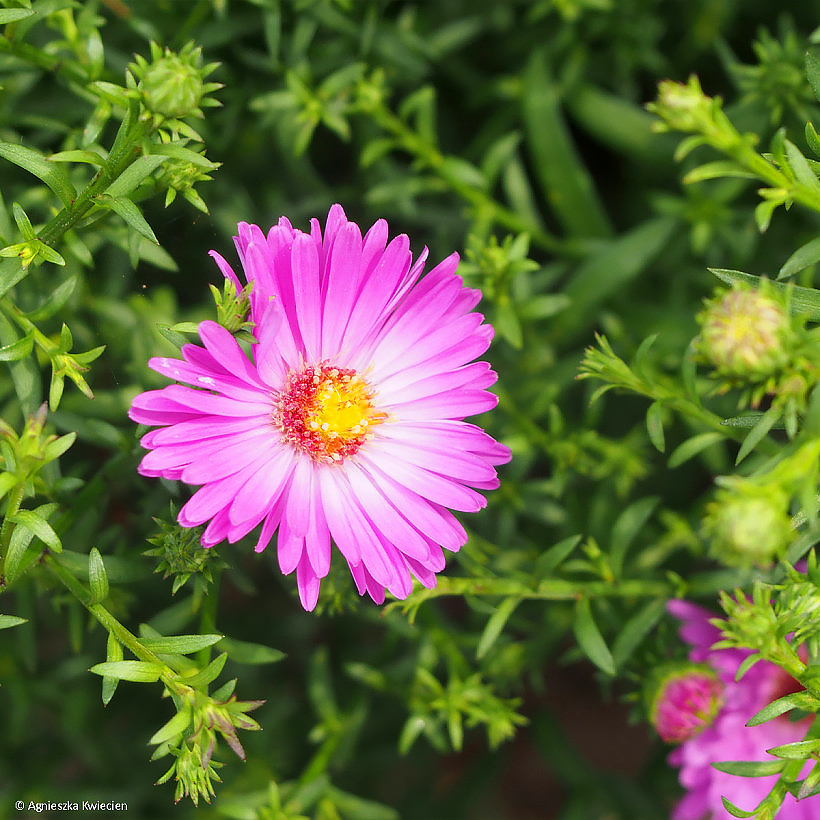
749, 525
171, 85
683, 700
745, 334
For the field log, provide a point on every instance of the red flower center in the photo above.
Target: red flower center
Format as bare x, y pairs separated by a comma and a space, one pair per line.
326, 412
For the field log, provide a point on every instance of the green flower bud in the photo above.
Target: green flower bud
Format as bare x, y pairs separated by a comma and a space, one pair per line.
745, 334
748, 525
172, 85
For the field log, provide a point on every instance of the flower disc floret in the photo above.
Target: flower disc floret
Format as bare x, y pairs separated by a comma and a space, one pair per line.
326, 412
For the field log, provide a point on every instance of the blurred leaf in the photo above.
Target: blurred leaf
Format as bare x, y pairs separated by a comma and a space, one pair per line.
250, 653
495, 624
566, 183
590, 639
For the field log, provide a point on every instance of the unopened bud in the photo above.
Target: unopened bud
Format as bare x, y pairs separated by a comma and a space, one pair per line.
745, 334
683, 700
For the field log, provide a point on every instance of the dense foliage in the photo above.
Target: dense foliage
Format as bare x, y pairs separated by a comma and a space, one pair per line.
664, 446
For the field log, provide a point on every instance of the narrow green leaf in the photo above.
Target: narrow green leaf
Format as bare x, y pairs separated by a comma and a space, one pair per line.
636, 629
18, 544
112, 655
135, 173
7, 621
654, 426
180, 644
55, 301
555, 555
805, 255
495, 624
749, 768
23, 222
17, 350
97, 578
175, 726
813, 70
130, 213
758, 432
13, 15
627, 526
718, 169
797, 700
39, 527
250, 653
566, 182
590, 639
210, 673
799, 750
90, 157
734, 810
608, 272
35, 163
800, 166
691, 447
137, 671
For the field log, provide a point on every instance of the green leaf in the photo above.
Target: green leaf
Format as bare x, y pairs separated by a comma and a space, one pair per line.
137, 671
495, 624
97, 578
7, 621
636, 629
555, 555
749, 768
130, 213
718, 169
180, 644
135, 173
813, 70
628, 524
797, 700
799, 750
35, 163
590, 639
175, 726
654, 426
13, 15
55, 301
734, 810
691, 447
609, 271
805, 255
801, 168
250, 653
18, 544
39, 527
758, 432
23, 222
90, 157
567, 184
112, 655
803, 300
210, 673
17, 350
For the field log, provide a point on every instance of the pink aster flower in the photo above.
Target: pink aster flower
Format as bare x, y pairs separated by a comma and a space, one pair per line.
346, 423
685, 701
728, 738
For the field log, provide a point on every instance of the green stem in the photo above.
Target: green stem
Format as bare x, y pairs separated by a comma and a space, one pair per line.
427, 153
123, 635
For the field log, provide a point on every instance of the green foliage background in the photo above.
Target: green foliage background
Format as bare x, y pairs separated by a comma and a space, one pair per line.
514, 133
